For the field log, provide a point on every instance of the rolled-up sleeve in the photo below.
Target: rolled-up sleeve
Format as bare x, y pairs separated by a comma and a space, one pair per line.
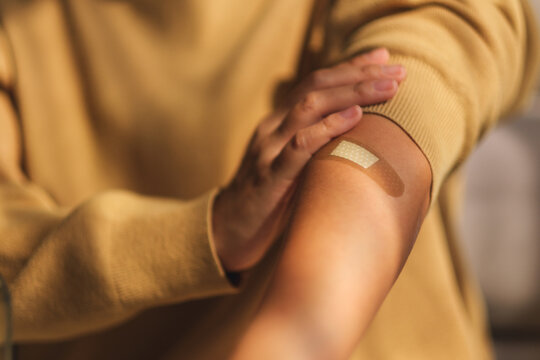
469, 64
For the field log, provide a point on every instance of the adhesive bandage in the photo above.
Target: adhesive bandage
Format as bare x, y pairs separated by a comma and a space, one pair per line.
362, 157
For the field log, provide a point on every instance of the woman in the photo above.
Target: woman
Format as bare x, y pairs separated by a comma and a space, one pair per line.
160, 98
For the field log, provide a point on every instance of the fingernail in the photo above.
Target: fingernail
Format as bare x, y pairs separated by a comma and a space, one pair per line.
377, 53
384, 85
392, 70
349, 113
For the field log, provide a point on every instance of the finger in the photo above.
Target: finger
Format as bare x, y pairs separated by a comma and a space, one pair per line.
349, 74
323, 78
366, 66
307, 141
341, 74
376, 56
318, 104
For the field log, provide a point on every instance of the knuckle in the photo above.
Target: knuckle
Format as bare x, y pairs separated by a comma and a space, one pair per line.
327, 124
309, 102
301, 141
372, 70
362, 89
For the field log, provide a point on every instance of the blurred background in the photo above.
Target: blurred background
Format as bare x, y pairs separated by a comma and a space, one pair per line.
501, 230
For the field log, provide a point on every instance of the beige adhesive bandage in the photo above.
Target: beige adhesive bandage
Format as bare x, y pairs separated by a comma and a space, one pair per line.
362, 157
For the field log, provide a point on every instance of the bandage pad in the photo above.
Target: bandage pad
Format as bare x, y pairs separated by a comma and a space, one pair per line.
362, 157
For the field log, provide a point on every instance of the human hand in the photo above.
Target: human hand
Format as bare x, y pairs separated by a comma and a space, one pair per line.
248, 212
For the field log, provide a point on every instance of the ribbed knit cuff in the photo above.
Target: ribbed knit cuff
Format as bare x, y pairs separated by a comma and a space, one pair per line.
164, 252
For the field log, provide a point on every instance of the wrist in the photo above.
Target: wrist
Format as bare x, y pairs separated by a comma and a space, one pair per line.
219, 232
231, 243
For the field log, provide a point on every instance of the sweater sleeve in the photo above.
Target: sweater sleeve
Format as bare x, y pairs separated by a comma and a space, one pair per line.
469, 63
75, 270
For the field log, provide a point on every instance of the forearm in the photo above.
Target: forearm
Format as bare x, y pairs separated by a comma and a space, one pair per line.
345, 247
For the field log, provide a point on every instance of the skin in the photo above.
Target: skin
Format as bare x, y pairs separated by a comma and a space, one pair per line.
346, 244
249, 212
380, 171
347, 239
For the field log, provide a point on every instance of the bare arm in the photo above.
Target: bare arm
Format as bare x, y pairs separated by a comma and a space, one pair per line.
468, 63
346, 245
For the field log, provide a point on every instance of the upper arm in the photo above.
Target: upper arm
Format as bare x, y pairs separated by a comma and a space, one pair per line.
349, 238
468, 63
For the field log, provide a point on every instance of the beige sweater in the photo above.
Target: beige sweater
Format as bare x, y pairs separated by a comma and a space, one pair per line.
119, 120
